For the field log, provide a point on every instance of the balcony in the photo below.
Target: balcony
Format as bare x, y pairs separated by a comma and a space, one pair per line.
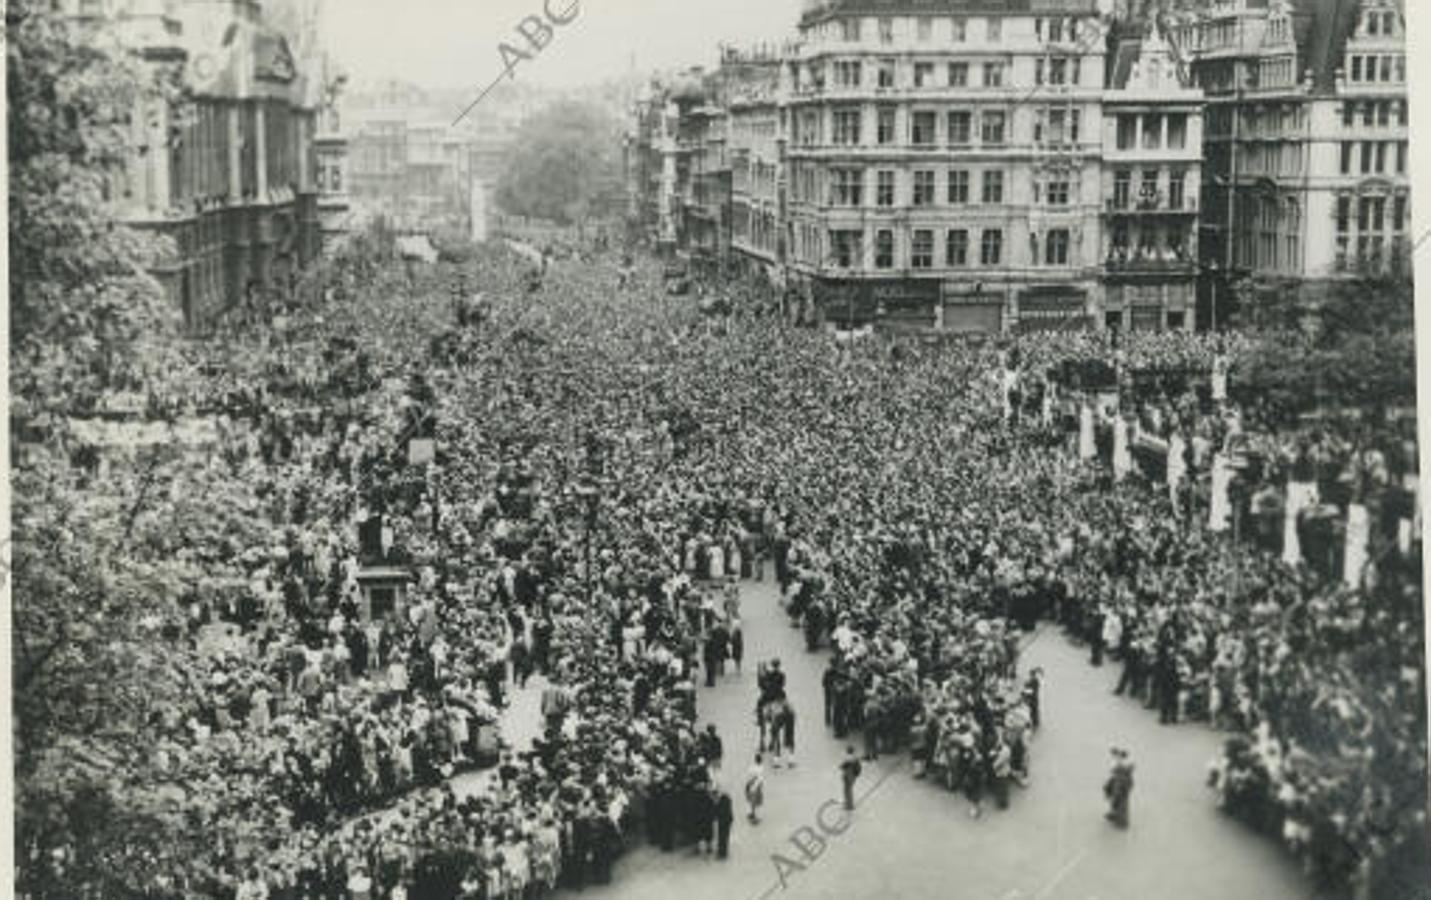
1149, 206
1148, 261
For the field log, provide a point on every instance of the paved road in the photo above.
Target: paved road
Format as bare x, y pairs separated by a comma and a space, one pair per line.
910, 839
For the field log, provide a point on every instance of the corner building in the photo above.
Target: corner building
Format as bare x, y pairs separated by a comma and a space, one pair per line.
1307, 157
944, 163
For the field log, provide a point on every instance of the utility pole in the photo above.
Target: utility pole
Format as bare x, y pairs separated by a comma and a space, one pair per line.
1231, 189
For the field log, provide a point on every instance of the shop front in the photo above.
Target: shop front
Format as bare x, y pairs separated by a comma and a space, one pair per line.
972, 310
1053, 308
901, 304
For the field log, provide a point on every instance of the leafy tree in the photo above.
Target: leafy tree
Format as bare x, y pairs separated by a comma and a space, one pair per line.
87, 321
85, 316
559, 163
1354, 348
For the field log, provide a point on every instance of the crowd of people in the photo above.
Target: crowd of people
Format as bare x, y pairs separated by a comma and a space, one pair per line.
577, 478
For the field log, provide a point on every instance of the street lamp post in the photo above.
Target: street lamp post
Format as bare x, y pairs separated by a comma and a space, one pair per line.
590, 496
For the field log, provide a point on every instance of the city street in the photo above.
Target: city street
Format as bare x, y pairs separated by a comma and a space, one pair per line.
1051, 843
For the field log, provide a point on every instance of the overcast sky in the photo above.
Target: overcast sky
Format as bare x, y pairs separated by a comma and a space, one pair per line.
441, 43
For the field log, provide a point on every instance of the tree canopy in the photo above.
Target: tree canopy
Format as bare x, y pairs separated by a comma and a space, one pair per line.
1356, 345
558, 163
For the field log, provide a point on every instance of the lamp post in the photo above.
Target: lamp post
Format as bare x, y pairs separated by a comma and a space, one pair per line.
590, 495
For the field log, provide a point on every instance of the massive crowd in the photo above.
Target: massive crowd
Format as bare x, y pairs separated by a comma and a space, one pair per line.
604, 461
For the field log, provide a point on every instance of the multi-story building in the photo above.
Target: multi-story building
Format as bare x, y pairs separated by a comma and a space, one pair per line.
1152, 147
230, 176
410, 162
1000, 164
1306, 150
944, 166
759, 225
704, 184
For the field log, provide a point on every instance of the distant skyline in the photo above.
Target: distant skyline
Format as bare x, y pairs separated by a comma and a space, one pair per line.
453, 43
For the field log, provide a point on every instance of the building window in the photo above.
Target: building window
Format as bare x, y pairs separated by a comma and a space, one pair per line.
1152, 132
1348, 113
1057, 70
1366, 157
958, 74
1346, 157
924, 74
959, 30
924, 28
1356, 68
886, 31
991, 127
995, 30
1056, 192
847, 187
1177, 131
1122, 188
959, 125
921, 250
1368, 113
1127, 132
921, 129
885, 122
993, 187
847, 247
991, 246
1056, 247
1038, 71
850, 29
993, 74
1386, 68
1383, 113
884, 249
1401, 158
1148, 193
958, 186
884, 188
847, 73
1176, 189
847, 126
956, 247
886, 73
923, 188
1380, 156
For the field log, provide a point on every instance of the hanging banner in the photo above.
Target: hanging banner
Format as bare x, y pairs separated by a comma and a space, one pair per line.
1122, 456
1300, 495
1087, 447
1358, 538
1220, 512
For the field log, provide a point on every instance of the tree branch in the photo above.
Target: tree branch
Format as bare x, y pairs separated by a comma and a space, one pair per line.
138, 506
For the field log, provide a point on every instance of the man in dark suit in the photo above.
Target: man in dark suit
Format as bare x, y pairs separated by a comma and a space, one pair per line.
725, 816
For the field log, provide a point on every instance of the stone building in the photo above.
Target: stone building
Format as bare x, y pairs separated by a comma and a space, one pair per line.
1306, 142
230, 176
1152, 151
944, 166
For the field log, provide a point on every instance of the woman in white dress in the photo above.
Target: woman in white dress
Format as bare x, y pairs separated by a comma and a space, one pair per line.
755, 790
717, 558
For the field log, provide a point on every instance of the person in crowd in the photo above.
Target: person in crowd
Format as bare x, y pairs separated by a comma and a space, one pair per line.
755, 790
724, 816
1118, 789
849, 774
